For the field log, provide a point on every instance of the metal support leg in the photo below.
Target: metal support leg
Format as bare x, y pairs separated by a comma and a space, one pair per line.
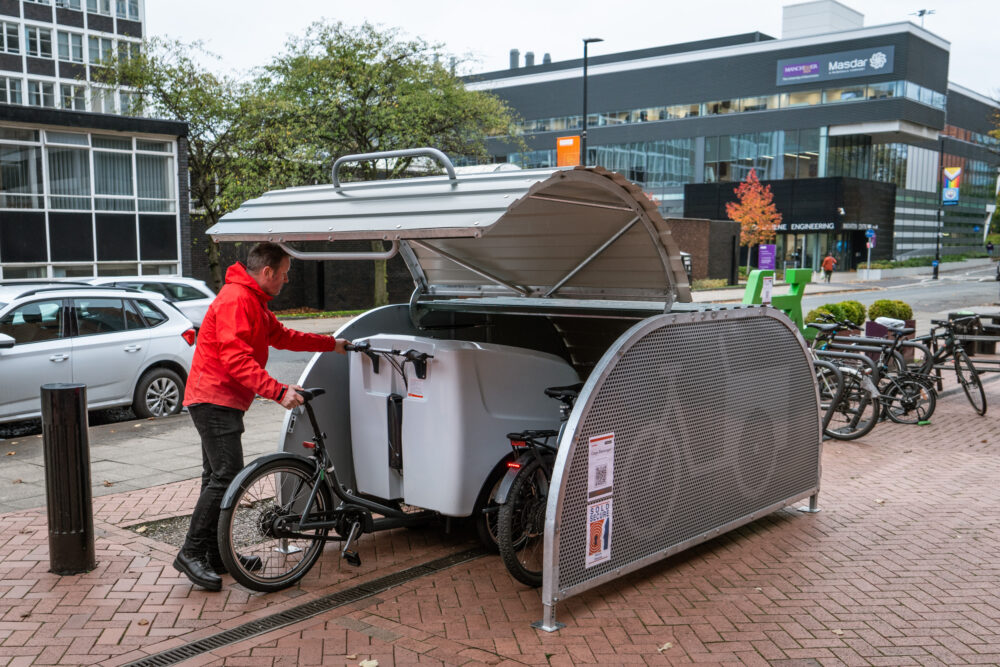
813, 505
548, 622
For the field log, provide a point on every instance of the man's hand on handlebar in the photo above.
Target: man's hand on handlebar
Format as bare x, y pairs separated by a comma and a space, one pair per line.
342, 346
292, 398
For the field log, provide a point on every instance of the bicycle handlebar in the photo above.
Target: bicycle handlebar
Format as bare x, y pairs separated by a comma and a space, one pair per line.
366, 347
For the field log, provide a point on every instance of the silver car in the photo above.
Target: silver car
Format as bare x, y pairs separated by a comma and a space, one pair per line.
190, 296
128, 347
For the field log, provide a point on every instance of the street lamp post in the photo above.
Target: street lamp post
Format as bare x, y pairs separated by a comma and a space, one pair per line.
940, 191
583, 133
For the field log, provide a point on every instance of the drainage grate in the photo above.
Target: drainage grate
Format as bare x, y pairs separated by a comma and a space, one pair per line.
304, 611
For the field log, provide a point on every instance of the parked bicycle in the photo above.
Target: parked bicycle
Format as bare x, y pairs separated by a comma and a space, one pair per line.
947, 346
523, 494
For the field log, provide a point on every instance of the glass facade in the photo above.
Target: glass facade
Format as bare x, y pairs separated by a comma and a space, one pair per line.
78, 204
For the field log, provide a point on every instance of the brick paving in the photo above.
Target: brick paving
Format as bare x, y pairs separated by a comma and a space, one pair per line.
898, 569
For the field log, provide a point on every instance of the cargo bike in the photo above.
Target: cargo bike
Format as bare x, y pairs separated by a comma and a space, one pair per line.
689, 419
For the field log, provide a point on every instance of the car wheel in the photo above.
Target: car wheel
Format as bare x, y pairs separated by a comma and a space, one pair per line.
160, 393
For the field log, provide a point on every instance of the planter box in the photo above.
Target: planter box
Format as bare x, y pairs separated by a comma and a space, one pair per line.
876, 330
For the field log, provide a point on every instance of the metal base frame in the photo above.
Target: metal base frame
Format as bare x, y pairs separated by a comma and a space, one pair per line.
548, 622
813, 505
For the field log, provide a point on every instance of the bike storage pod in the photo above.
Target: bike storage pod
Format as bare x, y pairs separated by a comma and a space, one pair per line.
693, 419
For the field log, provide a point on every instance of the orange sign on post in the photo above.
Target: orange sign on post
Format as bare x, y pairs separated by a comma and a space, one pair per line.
567, 151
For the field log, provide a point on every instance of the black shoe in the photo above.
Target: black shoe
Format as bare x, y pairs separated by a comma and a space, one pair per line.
196, 569
249, 563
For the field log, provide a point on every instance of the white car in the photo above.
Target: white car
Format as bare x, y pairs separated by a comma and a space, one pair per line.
128, 347
190, 296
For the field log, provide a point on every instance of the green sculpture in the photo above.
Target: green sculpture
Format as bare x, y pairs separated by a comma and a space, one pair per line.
791, 303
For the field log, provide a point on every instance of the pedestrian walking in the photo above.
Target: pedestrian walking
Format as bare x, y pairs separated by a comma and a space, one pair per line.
829, 263
226, 373
989, 248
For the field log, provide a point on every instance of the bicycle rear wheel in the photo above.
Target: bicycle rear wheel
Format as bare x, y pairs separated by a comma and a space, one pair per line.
968, 377
274, 496
521, 523
856, 413
909, 401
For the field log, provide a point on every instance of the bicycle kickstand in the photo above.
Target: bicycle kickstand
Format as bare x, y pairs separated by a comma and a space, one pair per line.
346, 553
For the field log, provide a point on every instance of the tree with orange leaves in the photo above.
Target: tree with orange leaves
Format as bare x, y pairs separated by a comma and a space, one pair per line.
756, 213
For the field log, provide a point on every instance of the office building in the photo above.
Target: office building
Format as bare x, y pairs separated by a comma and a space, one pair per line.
848, 124
87, 186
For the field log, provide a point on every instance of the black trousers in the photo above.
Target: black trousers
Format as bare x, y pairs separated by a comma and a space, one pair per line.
220, 429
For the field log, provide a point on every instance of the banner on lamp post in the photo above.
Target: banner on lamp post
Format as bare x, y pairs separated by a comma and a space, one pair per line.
952, 177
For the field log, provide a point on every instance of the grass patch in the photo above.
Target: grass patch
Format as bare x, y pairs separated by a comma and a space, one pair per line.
923, 261
305, 313
709, 283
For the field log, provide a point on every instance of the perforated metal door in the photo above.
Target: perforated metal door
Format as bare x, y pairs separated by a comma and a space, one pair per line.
715, 421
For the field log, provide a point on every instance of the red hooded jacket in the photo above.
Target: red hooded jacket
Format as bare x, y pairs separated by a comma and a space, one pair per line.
233, 342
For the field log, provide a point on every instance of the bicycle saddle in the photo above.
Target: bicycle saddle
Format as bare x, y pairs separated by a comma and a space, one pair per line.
562, 393
894, 325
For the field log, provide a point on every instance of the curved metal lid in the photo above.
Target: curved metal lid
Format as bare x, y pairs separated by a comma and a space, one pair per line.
582, 232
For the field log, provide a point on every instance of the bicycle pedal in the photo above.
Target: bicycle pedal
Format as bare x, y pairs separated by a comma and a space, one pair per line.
352, 558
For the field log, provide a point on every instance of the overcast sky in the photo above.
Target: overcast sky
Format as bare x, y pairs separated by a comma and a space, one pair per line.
247, 33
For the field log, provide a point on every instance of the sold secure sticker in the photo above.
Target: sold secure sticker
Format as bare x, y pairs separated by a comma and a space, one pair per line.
598, 533
415, 388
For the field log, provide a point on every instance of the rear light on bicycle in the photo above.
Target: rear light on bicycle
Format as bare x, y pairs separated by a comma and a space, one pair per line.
518, 443
189, 336
513, 465
309, 444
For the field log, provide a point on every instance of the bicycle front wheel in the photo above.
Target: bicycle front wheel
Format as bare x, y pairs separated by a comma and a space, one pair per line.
968, 377
521, 523
856, 413
269, 501
909, 401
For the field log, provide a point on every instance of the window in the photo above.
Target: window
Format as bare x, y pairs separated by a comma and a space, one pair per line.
70, 47
68, 4
155, 181
69, 178
72, 97
10, 90
843, 94
98, 315
39, 41
99, 7
127, 9
877, 91
151, 313
40, 2
808, 97
100, 49
41, 94
129, 103
113, 181
127, 51
10, 41
102, 100
723, 106
34, 322
20, 176
760, 103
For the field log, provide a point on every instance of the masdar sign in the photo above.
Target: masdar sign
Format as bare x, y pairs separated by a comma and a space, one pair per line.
840, 65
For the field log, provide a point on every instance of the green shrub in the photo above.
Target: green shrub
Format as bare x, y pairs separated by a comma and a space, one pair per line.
853, 311
903, 311
887, 308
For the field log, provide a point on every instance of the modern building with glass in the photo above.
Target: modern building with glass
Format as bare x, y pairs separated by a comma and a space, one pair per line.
832, 115
86, 188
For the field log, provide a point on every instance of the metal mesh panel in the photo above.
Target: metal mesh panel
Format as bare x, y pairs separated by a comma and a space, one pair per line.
713, 421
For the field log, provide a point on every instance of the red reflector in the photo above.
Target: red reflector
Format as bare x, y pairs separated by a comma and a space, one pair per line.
309, 445
513, 465
189, 336
518, 443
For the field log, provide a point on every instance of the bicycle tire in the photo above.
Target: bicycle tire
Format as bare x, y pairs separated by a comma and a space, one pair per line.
909, 401
856, 413
968, 377
521, 523
245, 527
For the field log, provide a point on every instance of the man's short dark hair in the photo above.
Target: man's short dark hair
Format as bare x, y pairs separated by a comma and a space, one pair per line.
264, 254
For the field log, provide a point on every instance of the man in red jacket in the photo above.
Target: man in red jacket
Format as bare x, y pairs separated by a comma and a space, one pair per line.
226, 374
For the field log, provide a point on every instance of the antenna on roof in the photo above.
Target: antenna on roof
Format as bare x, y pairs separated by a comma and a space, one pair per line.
922, 13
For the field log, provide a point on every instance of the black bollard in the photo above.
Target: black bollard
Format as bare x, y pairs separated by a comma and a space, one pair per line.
67, 478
